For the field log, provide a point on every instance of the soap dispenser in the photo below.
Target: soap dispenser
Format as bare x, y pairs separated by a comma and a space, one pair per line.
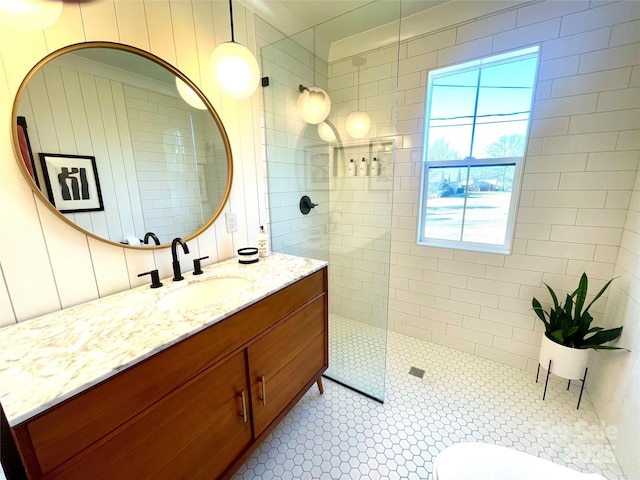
351, 168
375, 167
263, 243
362, 169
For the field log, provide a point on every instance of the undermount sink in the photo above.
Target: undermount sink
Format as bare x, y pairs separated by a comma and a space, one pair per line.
201, 293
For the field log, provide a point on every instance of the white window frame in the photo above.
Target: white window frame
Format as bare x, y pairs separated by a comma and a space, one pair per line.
468, 162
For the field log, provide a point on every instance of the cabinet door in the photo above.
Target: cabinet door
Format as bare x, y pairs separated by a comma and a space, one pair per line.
195, 433
284, 360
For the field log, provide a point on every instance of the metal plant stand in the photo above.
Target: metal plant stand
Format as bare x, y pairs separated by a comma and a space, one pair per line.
546, 382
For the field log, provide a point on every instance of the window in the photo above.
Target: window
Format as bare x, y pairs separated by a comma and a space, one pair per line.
476, 129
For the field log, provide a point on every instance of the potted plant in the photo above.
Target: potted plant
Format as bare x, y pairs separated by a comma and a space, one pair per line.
568, 335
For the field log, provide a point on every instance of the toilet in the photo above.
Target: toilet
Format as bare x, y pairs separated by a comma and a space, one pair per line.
482, 461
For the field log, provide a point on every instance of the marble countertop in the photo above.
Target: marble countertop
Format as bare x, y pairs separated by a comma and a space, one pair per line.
48, 359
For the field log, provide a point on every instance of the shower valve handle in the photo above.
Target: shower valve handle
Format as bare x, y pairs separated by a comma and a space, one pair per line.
306, 205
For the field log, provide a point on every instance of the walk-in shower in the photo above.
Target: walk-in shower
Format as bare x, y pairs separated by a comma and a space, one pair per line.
348, 180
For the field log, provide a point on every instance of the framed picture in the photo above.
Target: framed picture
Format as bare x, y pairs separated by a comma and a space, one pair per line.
72, 182
25, 149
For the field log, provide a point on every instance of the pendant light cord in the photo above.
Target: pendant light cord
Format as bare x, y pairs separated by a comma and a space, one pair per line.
231, 19
358, 87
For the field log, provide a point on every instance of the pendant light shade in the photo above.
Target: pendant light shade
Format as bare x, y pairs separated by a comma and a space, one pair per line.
234, 67
326, 133
358, 124
29, 14
313, 104
189, 96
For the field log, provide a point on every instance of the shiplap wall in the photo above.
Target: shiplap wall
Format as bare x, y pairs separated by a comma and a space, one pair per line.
47, 265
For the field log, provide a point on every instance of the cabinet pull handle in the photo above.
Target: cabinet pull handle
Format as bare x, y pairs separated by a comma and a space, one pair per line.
244, 406
264, 390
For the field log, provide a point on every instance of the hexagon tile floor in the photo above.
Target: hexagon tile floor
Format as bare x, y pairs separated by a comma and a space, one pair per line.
344, 435
357, 355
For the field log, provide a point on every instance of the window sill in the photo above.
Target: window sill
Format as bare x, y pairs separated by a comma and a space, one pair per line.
470, 247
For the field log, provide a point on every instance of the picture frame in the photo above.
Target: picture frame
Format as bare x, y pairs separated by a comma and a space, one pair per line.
72, 182
25, 149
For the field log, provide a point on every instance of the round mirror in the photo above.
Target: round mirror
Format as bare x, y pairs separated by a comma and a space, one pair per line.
106, 140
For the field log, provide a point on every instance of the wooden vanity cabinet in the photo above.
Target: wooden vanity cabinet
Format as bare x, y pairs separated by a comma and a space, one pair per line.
191, 433
195, 410
282, 362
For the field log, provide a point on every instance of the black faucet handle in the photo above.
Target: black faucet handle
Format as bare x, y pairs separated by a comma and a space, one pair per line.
197, 267
155, 278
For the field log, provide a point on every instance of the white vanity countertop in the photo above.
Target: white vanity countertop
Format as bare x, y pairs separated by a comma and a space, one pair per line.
48, 359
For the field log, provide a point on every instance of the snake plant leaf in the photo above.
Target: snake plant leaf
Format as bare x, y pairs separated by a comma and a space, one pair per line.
556, 305
584, 322
571, 331
603, 336
604, 347
599, 294
581, 294
568, 305
557, 336
539, 310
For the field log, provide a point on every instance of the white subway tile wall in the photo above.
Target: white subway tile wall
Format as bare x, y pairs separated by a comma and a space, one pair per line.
574, 163
578, 183
580, 169
353, 213
616, 377
162, 132
297, 159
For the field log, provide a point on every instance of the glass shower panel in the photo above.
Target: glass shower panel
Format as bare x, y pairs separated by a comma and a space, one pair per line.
297, 159
351, 226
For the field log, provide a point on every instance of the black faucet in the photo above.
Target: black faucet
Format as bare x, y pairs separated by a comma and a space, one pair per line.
177, 274
150, 235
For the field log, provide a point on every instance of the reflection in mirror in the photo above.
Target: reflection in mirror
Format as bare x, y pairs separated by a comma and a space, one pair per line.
163, 165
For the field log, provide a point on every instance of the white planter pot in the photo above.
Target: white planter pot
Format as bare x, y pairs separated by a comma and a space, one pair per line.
566, 362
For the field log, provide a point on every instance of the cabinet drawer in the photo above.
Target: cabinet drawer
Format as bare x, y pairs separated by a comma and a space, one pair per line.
63, 431
191, 434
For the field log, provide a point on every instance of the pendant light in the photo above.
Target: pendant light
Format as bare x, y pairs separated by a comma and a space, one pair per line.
189, 95
234, 66
29, 14
313, 104
358, 122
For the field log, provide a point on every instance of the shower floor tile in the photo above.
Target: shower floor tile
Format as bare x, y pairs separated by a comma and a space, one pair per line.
461, 398
357, 355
